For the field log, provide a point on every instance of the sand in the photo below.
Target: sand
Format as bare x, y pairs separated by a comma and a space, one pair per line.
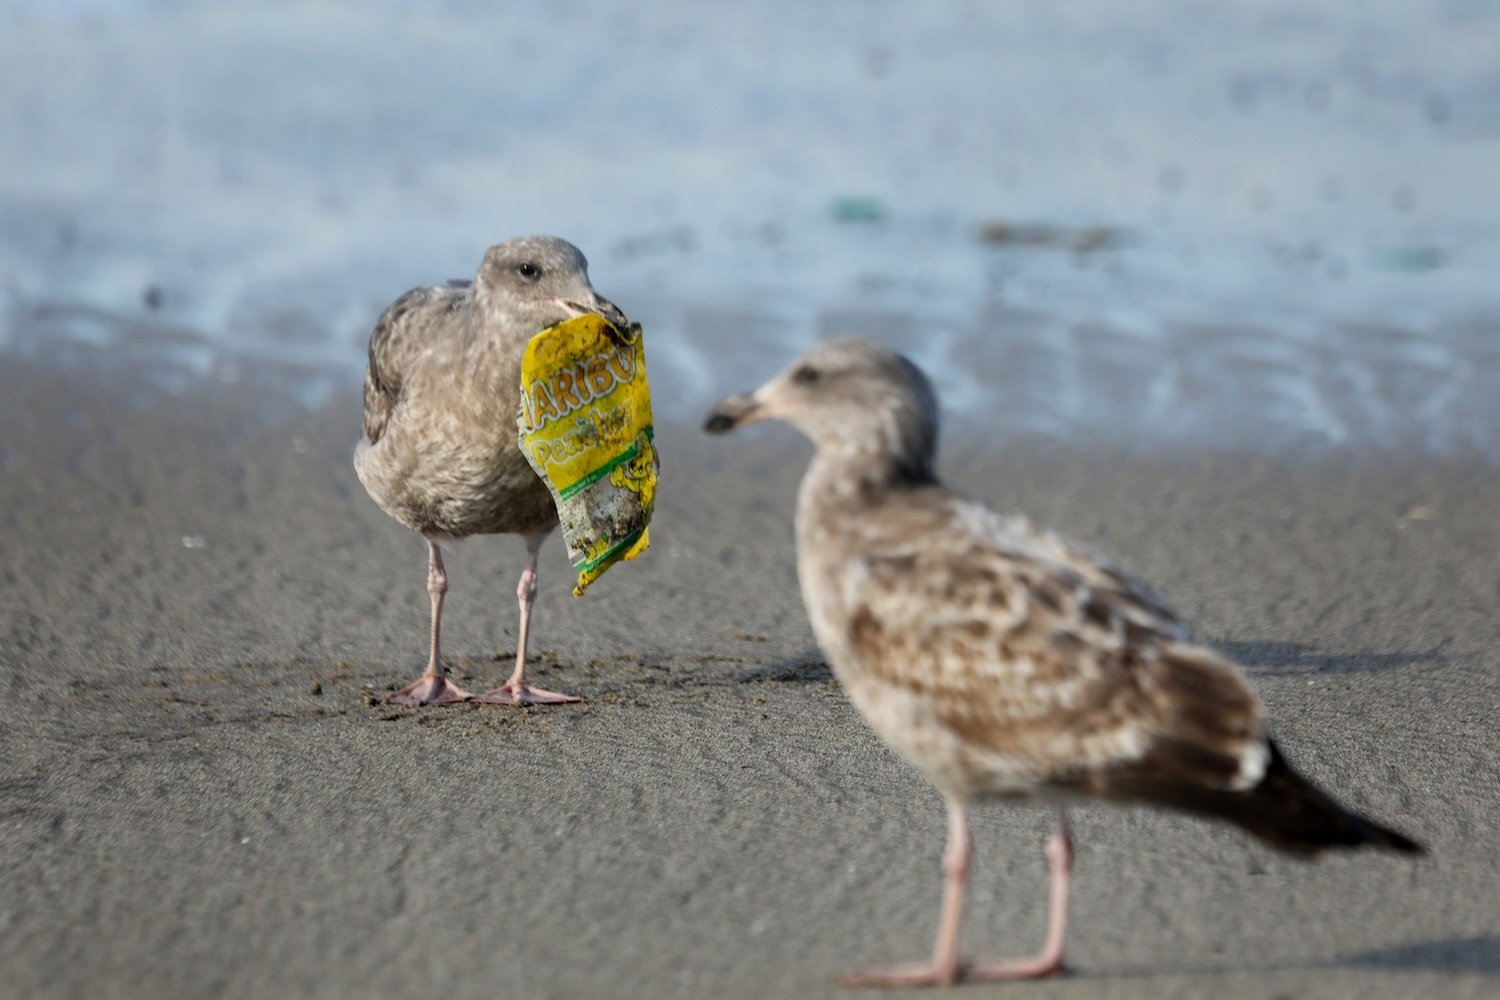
201, 795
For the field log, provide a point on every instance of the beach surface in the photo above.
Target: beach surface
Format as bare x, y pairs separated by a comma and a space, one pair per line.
201, 794
1210, 287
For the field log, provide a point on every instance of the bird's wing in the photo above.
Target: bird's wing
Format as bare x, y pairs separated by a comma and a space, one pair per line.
398, 338
1030, 648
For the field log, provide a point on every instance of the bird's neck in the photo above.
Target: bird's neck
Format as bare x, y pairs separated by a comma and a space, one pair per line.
495, 339
849, 473
839, 492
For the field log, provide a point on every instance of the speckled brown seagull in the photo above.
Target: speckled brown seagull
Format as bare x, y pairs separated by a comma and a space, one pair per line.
440, 448
1004, 661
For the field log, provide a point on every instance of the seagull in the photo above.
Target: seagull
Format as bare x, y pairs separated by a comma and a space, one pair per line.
440, 450
1005, 662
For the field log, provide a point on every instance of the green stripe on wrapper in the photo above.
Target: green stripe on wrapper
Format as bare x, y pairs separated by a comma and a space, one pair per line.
612, 554
604, 470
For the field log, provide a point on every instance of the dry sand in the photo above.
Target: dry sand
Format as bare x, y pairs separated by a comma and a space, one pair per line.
198, 606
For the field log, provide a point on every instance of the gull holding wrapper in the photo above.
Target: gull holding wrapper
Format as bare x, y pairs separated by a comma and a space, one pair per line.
441, 450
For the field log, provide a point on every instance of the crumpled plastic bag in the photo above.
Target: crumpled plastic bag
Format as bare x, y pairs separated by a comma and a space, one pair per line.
585, 421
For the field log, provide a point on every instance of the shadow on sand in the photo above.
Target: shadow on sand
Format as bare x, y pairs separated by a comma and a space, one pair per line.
808, 668
1255, 657
1456, 956
1474, 955
1296, 658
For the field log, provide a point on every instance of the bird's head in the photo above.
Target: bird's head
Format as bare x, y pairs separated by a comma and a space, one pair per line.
852, 399
540, 281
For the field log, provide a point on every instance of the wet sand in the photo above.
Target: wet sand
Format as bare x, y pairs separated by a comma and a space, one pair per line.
201, 795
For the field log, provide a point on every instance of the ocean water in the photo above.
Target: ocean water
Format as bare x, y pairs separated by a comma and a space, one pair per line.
1257, 224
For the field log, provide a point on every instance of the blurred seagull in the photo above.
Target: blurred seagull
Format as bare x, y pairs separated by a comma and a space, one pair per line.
440, 450
1003, 661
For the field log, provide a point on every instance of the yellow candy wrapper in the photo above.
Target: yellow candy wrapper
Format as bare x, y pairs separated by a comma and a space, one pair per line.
585, 422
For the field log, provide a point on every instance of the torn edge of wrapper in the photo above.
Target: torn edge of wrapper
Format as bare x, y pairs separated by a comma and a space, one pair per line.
585, 420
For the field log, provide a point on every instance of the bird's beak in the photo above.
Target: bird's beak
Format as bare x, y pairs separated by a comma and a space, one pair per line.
736, 411
597, 304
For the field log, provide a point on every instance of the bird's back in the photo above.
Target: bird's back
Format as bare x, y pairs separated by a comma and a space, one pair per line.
419, 321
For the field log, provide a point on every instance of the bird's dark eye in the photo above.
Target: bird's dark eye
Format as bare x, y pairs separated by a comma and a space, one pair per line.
528, 270
806, 375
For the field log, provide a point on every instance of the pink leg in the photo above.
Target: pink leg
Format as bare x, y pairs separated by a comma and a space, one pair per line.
1049, 961
516, 691
433, 688
945, 969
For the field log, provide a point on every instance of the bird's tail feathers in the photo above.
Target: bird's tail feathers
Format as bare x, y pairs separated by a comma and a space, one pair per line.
1291, 813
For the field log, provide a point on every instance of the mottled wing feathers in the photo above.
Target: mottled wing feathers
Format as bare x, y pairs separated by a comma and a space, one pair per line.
1112, 594
1210, 733
1037, 653
397, 339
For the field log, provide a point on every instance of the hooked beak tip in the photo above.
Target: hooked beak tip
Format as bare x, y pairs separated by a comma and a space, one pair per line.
736, 411
619, 326
719, 423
